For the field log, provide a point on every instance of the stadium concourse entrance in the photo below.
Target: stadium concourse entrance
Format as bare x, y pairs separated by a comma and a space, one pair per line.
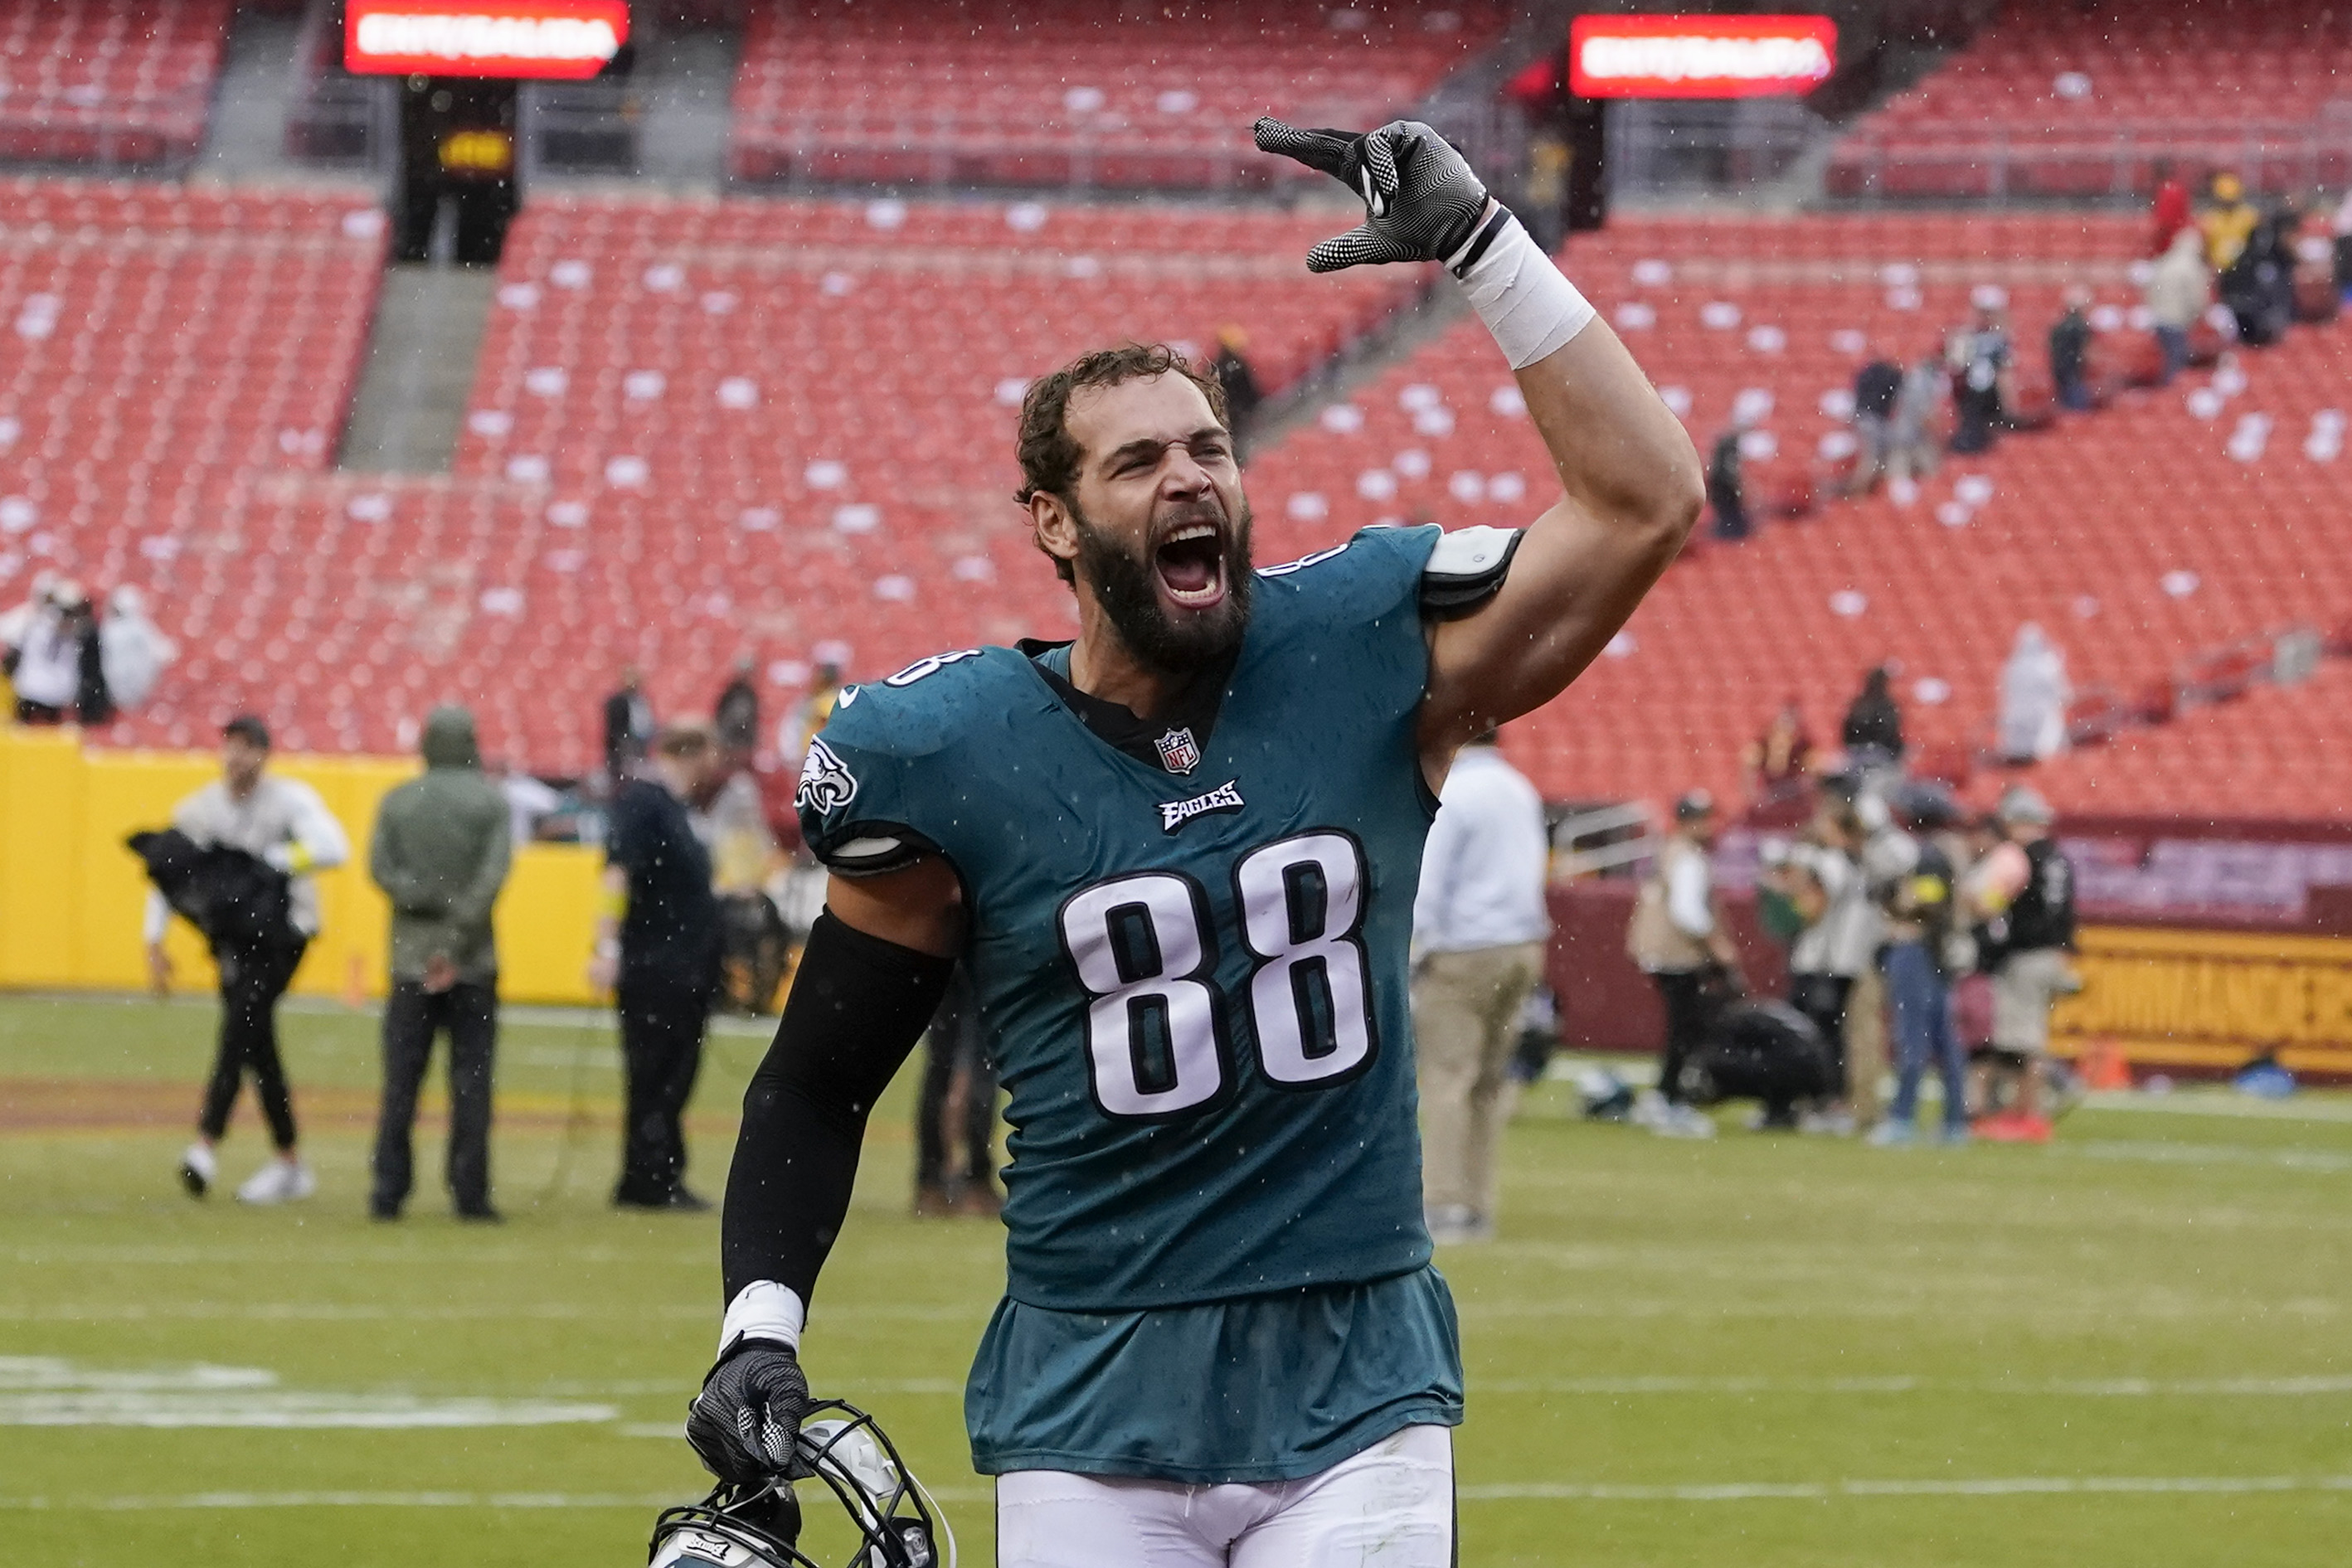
458, 167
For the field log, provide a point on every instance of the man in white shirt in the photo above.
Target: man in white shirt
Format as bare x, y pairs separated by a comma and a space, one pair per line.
284, 823
1479, 923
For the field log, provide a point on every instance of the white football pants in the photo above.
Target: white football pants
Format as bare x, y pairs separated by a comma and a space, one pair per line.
1390, 1506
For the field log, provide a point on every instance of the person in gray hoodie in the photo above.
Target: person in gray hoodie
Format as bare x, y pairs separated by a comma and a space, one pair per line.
441, 852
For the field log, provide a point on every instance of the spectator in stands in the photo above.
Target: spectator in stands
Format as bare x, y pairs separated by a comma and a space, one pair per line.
1232, 368
2179, 291
2227, 223
1911, 454
658, 947
955, 1113
1479, 923
1873, 732
2035, 693
737, 716
1923, 951
1780, 759
803, 722
132, 649
47, 669
16, 621
1878, 388
628, 726
440, 852
2070, 350
2172, 211
2259, 291
1726, 487
283, 824
2024, 893
2341, 227
1980, 375
1679, 938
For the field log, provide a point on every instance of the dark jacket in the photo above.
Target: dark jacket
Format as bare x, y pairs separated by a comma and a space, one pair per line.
441, 853
737, 717
1873, 720
2070, 348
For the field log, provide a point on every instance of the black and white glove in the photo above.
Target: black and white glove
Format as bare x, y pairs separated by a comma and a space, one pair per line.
1421, 201
747, 1419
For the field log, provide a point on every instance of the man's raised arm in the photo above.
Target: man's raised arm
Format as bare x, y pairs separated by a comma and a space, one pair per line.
1632, 478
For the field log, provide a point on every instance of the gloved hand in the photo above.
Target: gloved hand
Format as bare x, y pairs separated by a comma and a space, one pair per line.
1421, 201
745, 1421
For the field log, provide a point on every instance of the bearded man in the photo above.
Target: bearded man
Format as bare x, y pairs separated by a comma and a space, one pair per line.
1178, 855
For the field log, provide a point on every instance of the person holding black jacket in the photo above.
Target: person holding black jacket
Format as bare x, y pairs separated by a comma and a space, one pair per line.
441, 852
657, 949
285, 825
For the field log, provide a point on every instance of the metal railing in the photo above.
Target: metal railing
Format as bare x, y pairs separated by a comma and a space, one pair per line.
1623, 836
1972, 158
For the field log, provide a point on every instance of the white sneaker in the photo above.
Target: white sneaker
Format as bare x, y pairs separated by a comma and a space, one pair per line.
1651, 1110
1684, 1121
198, 1169
278, 1182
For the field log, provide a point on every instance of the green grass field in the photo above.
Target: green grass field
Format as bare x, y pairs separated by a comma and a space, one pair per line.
2133, 1347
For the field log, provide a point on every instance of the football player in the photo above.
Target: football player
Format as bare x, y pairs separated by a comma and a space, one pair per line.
1179, 855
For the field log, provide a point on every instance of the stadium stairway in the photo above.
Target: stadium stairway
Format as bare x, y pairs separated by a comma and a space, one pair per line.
419, 373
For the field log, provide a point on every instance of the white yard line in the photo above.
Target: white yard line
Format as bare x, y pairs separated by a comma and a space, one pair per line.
1522, 1491
2065, 1388
1816, 1492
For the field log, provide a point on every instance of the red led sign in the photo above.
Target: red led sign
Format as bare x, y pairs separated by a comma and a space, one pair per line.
556, 40
1699, 56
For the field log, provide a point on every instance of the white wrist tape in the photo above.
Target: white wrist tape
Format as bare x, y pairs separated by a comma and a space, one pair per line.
1517, 291
763, 1309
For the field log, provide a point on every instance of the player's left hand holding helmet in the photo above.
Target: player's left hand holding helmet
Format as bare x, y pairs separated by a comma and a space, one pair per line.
1422, 203
893, 1521
745, 1420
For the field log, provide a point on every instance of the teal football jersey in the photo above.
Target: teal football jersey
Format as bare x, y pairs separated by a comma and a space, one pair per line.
1193, 970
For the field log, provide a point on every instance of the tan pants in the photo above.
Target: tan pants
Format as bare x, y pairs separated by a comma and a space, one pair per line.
1465, 1014
1865, 1047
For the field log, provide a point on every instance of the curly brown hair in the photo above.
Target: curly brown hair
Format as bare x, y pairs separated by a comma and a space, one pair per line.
1050, 456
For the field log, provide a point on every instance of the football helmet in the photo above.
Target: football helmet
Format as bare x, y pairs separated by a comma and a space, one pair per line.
898, 1524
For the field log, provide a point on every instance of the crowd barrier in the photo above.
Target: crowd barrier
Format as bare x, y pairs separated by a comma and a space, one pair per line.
71, 895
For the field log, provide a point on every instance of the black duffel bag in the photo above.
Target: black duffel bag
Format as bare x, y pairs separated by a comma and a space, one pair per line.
1762, 1050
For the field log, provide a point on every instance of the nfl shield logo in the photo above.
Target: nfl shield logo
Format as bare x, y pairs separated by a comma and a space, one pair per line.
1179, 753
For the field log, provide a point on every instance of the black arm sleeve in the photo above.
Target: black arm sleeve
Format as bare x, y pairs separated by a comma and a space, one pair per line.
857, 1006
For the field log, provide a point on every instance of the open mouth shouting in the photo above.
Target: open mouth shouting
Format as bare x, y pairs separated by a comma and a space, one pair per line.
1191, 565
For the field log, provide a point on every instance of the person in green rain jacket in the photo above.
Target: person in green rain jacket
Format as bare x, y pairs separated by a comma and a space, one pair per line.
440, 855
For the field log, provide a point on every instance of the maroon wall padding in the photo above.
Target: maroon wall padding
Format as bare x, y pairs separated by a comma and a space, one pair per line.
1606, 1003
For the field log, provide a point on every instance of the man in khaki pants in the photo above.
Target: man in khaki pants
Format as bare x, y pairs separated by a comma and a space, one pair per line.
1478, 925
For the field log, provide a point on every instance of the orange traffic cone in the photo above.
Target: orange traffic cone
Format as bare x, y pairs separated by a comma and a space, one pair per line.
2105, 1066
355, 983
